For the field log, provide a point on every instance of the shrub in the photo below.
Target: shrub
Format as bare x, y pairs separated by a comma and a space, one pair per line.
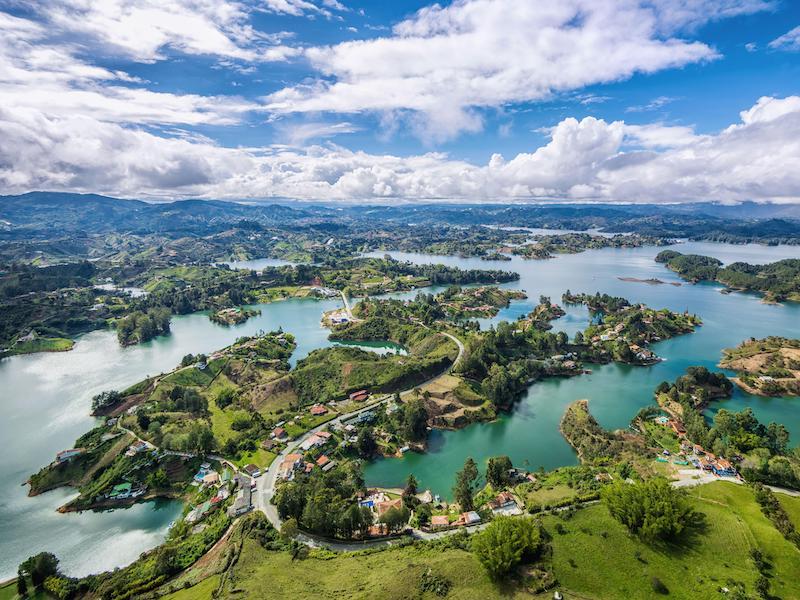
658, 586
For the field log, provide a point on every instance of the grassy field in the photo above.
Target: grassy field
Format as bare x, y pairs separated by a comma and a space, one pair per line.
260, 457
390, 575
593, 556
596, 556
42, 345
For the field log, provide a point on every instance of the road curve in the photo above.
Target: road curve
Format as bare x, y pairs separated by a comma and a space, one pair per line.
267, 481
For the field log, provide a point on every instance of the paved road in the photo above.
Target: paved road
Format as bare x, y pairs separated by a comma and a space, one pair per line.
267, 482
347, 306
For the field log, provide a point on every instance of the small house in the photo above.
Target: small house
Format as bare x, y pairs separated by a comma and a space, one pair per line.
318, 410
252, 470
359, 396
66, 455
440, 521
469, 518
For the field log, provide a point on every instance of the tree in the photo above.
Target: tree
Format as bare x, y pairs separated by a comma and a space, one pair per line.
395, 518
365, 442
497, 471
40, 567
652, 509
415, 420
22, 585
289, 529
158, 479
506, 543
466, 484
411, 484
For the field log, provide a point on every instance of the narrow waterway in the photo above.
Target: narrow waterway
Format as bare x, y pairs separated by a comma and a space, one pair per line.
45, 397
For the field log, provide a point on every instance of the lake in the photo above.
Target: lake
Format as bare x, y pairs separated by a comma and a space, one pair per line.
46, 397
529, 434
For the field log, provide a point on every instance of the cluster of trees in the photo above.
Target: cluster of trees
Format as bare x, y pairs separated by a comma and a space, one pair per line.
198, 439
774, 511
697, 387
105, 400
325, 503
651, 509
184, 399
21, 278
141, 326
506, 359
44, 576
506, 543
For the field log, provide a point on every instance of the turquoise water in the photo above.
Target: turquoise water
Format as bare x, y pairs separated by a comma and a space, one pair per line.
45, 397
529, 434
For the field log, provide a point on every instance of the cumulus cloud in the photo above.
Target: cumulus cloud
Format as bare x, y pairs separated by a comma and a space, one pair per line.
445, 62
788, 41
144, 30
754, 159
50, 77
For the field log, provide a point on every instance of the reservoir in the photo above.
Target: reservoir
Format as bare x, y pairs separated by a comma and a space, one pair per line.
46, 397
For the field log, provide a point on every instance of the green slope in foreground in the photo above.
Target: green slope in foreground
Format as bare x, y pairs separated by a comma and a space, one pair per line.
593, 556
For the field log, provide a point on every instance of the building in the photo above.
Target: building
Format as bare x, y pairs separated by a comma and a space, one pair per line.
504, 504
66, 455
289, 465
382, 507
359, 396
723, 468
252, 470
318, 410
211, 478
279, 433
469, 518
322, 461
440, 521
242, 503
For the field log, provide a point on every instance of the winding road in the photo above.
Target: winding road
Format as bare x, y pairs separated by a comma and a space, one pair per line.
267, 482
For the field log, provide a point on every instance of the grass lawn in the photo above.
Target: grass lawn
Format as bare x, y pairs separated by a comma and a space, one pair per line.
260, 457
390, 575
297, 427
201, 590
9, 592
663, 436
43, 345
596, 557
546, 495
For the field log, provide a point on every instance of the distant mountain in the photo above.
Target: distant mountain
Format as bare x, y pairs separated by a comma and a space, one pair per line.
53, 214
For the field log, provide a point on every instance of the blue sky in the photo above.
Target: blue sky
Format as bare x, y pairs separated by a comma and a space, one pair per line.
473, 100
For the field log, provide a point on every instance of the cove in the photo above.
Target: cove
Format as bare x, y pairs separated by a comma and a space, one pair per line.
529, 433
46, 403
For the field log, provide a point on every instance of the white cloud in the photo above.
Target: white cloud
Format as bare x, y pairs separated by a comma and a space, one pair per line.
654, 104
144, 30
657, 135
754, 159
443, 63
788, 41
297, 134
48, 76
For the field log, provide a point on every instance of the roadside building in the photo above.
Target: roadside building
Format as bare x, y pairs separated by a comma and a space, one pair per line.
66, 455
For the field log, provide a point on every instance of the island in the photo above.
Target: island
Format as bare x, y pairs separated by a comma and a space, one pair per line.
765, 367
777, 282
233, 316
